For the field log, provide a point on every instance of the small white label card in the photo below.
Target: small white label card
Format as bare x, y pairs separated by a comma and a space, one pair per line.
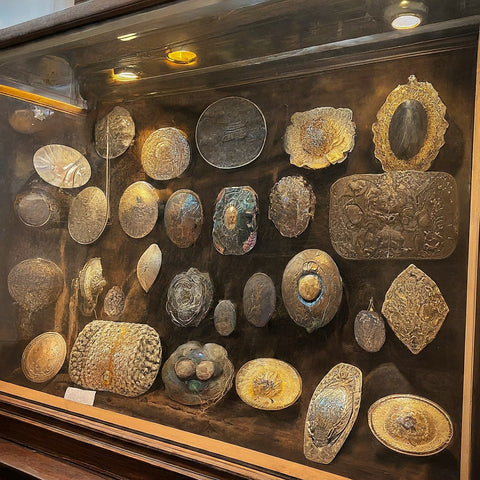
87, 397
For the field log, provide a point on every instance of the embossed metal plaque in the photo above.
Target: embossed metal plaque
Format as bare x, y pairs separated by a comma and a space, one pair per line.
235, 220
332, 412
414, 308
116, 357
148, 266
114, 302
410, 424
225, 317
259, 299
91, 284
411, 215
231, 133
114, 133
292, 205
369, 329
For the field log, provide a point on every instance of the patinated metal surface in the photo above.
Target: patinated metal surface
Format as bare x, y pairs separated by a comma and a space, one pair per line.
225, 317
117, 357
311, 289
410, 127
43, 357
91, 284
410, 424
114, 133
62, 166
235, 220
259, 299
35, 207
197, 374
411, 215
165, 154
138, 209
148, 266
332, 412
292, 205
320, 137
231, 133
414, 308
183, 218
114, 302
88, 215
35, 283
268, 384
189, 298
369, 329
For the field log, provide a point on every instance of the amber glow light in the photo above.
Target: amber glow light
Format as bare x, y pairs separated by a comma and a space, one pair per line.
406, 14
125, 74
182, 57
404, 22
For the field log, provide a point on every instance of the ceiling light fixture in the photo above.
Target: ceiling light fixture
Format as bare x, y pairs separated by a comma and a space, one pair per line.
406, 14
125, 74
182, 57
127, 37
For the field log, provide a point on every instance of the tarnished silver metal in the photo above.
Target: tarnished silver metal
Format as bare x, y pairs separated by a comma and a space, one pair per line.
183, 218
311, 289
114, 302
412, 215
36, 207
259, 299
114, 133
235, 220
91, 284
369, 329
225, 317
197, 374
231, 133
332, 412
189, 298
116, 357
148, 266
292, 205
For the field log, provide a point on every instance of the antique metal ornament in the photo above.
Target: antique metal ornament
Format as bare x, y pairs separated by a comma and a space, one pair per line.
231, 133
165, 154
235, 220
43, 357
412, 215
268, 384
91, 284
114, 133
62, 166
183, 218
332, 412
148, 266
114, 302
292, 205
37, 206
414, 308
35, 283
311, 289
189, 298
116, 357
259, 299
88, 215
320, 137
197, 374
225, 317
138, 209
410, 127
410, 424
30, 119
369, 329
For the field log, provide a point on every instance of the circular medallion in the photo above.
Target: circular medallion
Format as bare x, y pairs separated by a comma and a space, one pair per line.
33, 208
114, 133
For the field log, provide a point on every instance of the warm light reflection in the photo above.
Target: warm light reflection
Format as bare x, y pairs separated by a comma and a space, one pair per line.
125, 74
406, 21
127, 37
183, 57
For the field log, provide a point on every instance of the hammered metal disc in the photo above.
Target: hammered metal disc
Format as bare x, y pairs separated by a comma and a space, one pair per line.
165, 154
62, 166
114, 302
148, 266
114, 133
259, 299
225, 317
91, 283
268, 384
88, 215
138, 209
43, 357
410, 424
231, 133
33, 208
369, 329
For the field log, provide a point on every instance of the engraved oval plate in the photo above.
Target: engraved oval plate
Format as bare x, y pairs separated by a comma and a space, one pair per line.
165, 154
259, 299
148, 266
225, 317
410, 424
114, 133
235, 220
33, 208
320, 137
116, 357
231, 133
332, 412
62, 166
311, 289
183, 218
411, 215
114, 302
88, 215
91, 284
268, 384
292, 205
138, 209
369, 329
403, 139
43, 357
35, 283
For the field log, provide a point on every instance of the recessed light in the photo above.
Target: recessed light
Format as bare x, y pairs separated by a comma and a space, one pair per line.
182, 57
125, 74
406, 14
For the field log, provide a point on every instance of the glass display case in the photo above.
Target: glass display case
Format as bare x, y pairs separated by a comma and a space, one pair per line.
241, 238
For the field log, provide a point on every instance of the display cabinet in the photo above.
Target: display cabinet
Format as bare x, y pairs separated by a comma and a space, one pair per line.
200, 200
